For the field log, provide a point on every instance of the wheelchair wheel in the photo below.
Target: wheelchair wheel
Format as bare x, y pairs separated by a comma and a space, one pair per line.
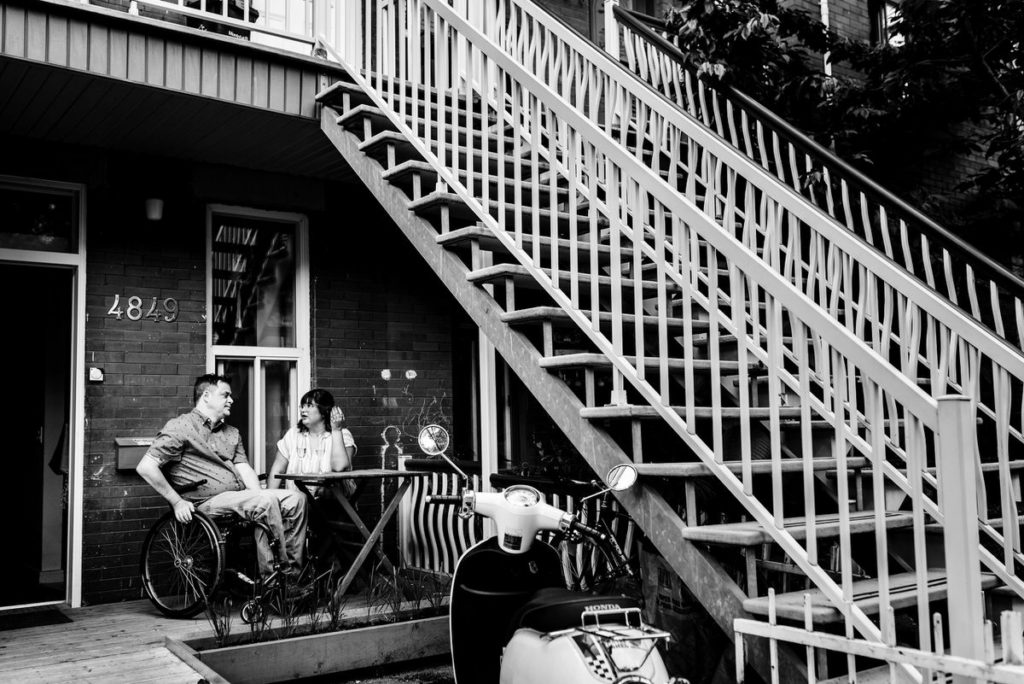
252, 611
181, 564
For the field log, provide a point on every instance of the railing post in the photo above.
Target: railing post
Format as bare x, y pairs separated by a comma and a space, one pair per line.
322, 27
611, 29
488, 395
956, 442
350, 32
404, 516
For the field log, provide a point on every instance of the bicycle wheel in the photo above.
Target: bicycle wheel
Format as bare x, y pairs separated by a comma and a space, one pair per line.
181, 564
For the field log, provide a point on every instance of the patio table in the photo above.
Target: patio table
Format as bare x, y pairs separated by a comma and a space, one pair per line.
337, 483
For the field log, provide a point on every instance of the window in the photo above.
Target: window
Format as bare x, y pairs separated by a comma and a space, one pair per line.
258, 299
885, 13
38, 218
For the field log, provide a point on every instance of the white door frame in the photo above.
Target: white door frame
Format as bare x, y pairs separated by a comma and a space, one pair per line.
75, 262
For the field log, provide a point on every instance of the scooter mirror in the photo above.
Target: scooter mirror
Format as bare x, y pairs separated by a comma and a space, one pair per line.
433, 440
621, 477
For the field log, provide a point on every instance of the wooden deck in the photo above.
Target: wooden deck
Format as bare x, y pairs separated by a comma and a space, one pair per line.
114, 642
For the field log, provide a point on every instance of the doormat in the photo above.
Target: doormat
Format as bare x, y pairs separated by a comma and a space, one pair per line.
33, 618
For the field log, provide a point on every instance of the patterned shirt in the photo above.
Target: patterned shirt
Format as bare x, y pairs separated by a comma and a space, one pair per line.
191, 448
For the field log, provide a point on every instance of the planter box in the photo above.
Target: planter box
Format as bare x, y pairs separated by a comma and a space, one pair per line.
318, 654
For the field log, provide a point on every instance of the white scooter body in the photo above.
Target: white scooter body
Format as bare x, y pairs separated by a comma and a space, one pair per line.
589, 636
511, 618
532, 657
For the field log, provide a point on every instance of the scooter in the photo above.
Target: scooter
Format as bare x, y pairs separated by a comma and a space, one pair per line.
512, 620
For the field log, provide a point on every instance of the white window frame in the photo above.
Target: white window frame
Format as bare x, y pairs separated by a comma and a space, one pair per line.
300, 353
74, 261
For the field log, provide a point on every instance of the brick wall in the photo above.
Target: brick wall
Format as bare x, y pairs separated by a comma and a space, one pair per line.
378, 307
149, 367
375, 305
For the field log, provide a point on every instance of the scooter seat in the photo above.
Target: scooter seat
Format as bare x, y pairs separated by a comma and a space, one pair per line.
554, 608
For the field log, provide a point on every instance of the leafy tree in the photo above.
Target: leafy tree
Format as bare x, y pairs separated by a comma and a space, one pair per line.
953, 83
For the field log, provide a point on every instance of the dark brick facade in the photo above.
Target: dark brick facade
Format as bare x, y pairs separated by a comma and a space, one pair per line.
148, 370
375, 305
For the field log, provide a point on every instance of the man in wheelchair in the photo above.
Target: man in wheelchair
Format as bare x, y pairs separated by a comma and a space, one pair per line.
199, 447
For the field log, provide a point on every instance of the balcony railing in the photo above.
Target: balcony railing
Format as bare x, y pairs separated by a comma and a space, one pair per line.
292, 25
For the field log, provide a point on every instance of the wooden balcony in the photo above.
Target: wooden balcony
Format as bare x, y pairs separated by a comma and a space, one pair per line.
151, 85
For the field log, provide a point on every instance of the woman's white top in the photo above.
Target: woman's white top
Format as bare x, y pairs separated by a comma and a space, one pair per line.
309, 454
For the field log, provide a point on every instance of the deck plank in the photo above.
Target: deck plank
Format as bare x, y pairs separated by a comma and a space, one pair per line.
103, 644
113, 642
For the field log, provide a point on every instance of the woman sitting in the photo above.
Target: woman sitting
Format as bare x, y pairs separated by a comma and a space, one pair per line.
317, 444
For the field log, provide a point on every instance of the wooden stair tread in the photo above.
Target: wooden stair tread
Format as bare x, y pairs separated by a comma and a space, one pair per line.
873, 675
637, 411
596, 359
487, 240
985, 468
554, 314
760, 467
353, 118
406, 170
751, 533
332, 94
500, 271
439, 198
376, 146
902, 593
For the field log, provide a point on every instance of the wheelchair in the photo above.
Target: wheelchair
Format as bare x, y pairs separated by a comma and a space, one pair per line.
184, 566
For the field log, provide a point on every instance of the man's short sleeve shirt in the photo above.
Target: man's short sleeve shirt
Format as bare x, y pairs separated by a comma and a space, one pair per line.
191, 449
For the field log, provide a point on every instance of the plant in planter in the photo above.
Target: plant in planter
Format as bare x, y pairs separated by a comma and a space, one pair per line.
322, 637
219, 616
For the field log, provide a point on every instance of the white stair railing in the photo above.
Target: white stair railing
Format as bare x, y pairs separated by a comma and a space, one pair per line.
461, 101
984, 289
996, 665
898, 315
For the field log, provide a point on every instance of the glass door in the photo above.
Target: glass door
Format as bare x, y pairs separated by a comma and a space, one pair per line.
266, 402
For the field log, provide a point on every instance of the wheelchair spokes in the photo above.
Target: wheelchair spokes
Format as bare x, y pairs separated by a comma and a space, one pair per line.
181, 564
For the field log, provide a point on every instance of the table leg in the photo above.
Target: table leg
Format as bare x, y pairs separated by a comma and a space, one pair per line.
371, 537
350, 511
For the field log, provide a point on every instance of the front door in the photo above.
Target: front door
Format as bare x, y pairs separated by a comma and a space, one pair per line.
36, 351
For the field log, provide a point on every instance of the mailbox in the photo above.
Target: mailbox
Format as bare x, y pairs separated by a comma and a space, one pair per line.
130, 451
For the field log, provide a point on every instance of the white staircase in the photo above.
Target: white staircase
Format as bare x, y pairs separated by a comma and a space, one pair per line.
775, 378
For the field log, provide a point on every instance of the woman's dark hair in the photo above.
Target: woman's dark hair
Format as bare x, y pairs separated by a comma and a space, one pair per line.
324, 402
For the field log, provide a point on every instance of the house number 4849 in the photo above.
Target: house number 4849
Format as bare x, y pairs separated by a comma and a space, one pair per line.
166, 311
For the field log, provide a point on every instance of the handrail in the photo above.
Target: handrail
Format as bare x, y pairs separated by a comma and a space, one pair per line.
250, 16
790, 200
1009, 282
898, 312
457, 95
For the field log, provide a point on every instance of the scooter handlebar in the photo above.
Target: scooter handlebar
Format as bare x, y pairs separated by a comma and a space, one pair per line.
444, 499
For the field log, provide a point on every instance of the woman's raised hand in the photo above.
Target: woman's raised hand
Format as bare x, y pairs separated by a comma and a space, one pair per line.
337, 418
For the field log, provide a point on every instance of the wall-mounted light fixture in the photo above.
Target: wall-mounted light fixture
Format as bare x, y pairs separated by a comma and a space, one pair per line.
154, 209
